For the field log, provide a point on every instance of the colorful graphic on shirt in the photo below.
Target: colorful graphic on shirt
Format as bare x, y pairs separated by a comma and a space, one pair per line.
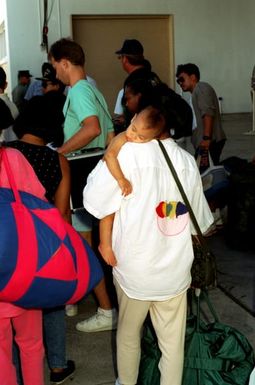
172, 217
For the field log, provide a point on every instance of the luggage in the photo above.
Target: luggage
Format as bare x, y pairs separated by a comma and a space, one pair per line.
215, 353
150, 355
240, 228
80, 167
214, 178
44, 262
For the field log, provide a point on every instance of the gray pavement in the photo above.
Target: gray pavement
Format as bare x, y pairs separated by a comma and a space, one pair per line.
94, 353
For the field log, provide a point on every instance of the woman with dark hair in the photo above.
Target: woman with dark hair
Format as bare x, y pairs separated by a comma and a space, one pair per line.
140, 93
35, 128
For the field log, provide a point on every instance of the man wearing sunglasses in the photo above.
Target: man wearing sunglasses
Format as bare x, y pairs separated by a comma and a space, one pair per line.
208, 133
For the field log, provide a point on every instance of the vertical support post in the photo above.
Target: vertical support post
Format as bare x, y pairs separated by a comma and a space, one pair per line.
252, 132
253, 110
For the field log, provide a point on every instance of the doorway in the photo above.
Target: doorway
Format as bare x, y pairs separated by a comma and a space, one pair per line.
101, 36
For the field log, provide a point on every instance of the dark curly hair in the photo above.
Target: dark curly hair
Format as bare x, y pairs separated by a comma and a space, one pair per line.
40, 117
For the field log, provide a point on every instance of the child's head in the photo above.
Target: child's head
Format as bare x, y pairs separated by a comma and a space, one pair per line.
147, 125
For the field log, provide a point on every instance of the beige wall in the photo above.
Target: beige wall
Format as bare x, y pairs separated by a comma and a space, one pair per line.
102, 36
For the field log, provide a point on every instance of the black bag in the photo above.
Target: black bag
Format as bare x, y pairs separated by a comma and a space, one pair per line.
240, 227
80, 167
203, 270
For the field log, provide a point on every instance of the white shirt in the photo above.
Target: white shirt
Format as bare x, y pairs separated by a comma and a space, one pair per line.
153, 250
118, 109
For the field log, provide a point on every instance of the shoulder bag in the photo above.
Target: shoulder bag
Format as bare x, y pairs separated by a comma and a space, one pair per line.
203, 269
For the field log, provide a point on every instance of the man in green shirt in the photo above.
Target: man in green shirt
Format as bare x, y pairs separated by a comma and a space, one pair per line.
87, 125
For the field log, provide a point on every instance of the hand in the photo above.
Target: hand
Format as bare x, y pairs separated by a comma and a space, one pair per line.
204, 159
205, 144
118, 119
107, 254
125, 186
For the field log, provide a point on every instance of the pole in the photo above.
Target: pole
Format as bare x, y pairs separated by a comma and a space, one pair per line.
252, 132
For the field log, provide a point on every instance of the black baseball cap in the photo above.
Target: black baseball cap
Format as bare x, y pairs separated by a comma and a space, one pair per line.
24, 73
48, 72
131, 47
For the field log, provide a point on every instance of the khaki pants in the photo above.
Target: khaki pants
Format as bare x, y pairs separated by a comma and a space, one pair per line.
169, 321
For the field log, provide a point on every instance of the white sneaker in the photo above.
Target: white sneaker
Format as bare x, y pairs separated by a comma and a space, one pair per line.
99, 322
117, 382
71, 310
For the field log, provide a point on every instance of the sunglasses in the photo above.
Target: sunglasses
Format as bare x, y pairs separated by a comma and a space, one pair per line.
180, 80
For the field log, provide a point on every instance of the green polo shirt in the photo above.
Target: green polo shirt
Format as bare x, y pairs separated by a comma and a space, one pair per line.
84, 100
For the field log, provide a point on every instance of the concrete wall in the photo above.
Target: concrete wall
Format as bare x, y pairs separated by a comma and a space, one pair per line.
216, 35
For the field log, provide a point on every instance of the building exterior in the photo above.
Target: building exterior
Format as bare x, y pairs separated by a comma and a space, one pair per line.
216, 35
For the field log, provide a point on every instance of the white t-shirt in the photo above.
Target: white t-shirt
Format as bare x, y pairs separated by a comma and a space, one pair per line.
152, 231
118, 109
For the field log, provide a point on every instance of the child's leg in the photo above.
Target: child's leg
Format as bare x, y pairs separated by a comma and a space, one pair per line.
7, 369
105, 245
28, 328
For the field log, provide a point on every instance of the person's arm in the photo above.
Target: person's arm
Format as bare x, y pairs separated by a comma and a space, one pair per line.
6, 116
110, 136
105, 245
102, 195
207, 131
112, 162
89, 130
62, 195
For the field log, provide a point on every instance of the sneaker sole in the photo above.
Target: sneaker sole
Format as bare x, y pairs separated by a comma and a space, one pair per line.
102, 329
71, 314
65, 379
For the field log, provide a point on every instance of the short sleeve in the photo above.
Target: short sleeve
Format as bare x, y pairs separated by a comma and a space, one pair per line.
101, 195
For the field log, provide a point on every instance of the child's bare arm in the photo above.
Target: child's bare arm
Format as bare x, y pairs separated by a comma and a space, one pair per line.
113, 164
115, 144
105, 245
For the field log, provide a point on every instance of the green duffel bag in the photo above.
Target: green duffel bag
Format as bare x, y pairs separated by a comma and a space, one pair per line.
215, 353
149, 373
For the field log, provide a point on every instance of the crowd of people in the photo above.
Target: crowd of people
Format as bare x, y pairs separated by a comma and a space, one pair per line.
130, 201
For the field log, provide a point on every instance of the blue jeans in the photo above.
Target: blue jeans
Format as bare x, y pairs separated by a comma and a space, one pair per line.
54, 327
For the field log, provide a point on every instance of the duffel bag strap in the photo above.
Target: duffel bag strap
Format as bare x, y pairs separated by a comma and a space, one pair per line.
196, 295
5, 162
218, 364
